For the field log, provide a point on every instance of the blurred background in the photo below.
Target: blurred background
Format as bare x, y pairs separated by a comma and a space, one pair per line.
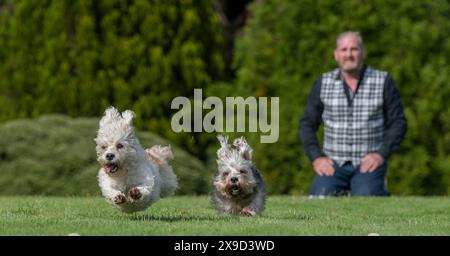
63, 62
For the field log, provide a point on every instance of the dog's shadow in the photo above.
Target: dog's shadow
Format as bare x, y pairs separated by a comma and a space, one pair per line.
300, 217
183, 217
174, 218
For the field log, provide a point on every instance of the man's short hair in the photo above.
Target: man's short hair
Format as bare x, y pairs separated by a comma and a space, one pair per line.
348, 33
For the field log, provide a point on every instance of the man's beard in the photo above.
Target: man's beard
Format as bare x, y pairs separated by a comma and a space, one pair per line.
350, 66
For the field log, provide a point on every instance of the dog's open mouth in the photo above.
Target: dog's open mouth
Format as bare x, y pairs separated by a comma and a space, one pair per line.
111, 168
234, 189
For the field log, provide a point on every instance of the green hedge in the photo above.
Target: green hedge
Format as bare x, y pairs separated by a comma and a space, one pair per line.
55, 155
79, 57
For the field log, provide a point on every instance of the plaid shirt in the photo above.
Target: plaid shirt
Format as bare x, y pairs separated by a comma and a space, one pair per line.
370, 120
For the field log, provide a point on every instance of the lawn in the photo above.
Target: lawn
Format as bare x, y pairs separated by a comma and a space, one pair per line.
190, 215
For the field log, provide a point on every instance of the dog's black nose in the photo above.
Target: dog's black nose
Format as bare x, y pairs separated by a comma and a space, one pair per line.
110, 156
234, 179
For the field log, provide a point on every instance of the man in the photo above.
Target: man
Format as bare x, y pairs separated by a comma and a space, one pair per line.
363, 121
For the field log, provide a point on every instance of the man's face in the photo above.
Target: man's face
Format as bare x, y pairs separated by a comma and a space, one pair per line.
349, 54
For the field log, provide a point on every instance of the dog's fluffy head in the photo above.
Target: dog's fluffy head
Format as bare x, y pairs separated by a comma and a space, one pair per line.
116, 142
235, 175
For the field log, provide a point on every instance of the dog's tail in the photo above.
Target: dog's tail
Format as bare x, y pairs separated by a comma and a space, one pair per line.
161, 156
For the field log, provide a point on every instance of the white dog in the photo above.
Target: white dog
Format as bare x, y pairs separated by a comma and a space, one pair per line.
131, 178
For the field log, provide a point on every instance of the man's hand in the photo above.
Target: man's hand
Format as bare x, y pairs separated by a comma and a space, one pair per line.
323, 166
371, 162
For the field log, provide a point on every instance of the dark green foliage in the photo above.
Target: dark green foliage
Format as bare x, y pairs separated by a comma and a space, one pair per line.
55, 155
289, 43
78, 57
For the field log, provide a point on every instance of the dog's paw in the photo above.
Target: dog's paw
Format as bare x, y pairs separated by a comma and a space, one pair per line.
134, 193
247, 212
119, 199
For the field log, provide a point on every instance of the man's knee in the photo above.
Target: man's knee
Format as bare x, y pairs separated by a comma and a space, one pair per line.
326, 186
369, 188
371, 183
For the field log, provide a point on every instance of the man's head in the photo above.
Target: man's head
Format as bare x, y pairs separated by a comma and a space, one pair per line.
349, 52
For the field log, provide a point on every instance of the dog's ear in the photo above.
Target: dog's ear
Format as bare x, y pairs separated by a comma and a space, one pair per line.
111, 114
128, 116
223, 140
224, 147
243, 148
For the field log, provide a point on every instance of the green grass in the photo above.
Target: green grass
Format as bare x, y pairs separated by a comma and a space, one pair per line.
189, 215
